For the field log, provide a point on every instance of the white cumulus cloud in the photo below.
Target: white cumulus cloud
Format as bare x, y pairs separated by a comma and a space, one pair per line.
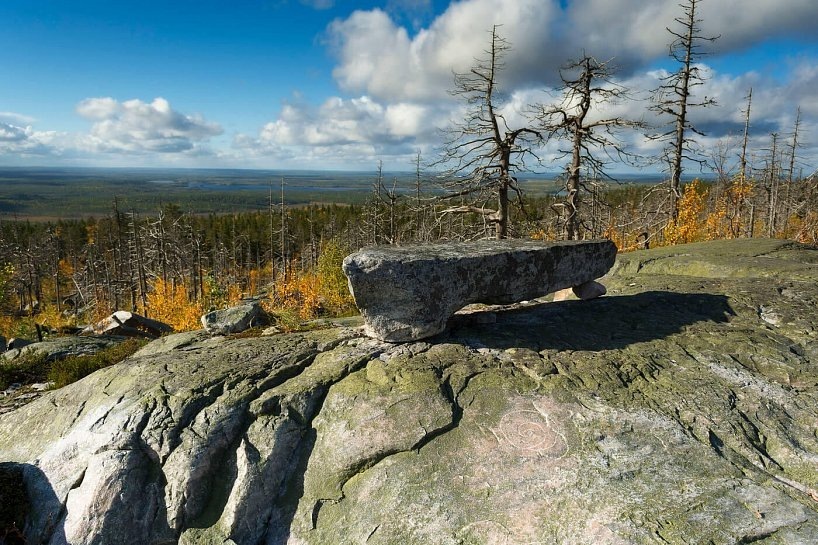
379, 58
360, 129
134, 126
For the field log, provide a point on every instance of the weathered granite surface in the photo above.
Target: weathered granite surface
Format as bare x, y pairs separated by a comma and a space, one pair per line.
679, 409
408, 293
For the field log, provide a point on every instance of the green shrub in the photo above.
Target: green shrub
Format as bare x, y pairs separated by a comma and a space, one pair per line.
25, 369
73, 368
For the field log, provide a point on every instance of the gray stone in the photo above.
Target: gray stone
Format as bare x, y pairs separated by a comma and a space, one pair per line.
769, 315
41, 386
586, 291
665, 412
410, 292
130, 324
232, 320
589, 290
11, 354
16, 344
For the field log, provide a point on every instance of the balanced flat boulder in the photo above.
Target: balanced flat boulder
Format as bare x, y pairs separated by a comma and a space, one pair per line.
409, 292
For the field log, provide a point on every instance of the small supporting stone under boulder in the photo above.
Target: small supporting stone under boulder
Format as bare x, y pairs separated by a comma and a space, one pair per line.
410, 292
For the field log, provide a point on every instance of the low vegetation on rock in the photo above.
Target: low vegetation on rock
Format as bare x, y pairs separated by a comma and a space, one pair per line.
38, 367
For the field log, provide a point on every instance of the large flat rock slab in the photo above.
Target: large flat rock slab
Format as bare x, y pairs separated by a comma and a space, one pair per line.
410, 292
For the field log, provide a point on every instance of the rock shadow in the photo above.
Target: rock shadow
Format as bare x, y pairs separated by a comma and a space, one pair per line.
279, 526
29, 504
137, 513
607, 323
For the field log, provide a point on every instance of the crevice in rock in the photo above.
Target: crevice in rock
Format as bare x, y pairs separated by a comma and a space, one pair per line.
59, 521
101, 420
457, 411
367, 463
221, 477
753, 538
756, 440
285, 503
316, 509
292, 487
372, 533
76, 415
209, 393
78, 481
716, 443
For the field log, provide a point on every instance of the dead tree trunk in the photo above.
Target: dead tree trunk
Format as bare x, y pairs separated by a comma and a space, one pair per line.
675, 97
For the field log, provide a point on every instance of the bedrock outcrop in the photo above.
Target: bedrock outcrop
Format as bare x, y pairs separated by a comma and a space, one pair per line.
407, 293
680, 408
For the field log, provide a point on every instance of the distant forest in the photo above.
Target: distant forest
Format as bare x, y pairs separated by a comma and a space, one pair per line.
174, 265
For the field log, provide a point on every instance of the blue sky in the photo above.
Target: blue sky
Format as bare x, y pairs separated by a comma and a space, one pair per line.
333, 84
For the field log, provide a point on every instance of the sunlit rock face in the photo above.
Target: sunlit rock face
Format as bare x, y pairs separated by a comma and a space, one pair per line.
671, 410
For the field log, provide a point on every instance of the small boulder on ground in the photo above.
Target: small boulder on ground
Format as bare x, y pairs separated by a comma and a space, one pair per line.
234, 319
16, 344
584, 292
128, 324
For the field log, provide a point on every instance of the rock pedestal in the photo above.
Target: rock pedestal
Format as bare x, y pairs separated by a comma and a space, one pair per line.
409, 293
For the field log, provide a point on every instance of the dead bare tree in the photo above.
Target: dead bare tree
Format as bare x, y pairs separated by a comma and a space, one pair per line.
743, 159
587, 88
675, 97
772, 180
481, 152
794, 145
420, 205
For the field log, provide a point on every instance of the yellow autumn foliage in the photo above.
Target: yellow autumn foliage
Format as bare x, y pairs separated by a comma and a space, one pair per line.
688, 226
729, 217
323, 290
169, 302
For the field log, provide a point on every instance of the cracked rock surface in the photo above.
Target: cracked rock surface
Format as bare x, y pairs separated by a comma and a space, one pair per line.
680, 408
